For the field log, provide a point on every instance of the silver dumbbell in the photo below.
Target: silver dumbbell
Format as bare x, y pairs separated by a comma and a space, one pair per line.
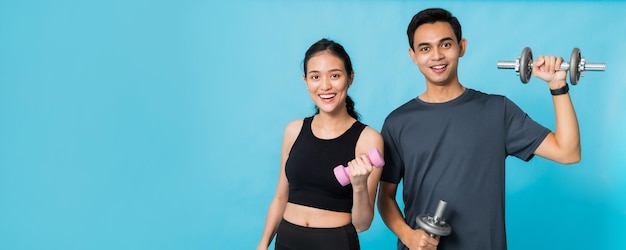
435, 226
577, 66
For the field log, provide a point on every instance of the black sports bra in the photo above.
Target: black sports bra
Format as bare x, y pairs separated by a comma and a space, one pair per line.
309, 168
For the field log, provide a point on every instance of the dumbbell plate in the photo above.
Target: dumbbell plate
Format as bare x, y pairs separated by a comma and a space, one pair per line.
429, 225
574, 72
525, 70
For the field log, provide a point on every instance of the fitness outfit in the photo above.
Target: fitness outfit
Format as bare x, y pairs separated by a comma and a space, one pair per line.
309, 169
294, 237
456, 151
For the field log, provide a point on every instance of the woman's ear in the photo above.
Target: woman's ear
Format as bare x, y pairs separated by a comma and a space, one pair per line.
304, 80
351, 79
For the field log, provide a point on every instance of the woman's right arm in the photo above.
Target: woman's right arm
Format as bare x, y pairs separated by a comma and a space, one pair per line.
277, 206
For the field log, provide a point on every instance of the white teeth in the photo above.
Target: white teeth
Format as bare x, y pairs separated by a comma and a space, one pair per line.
439, 67
327, 96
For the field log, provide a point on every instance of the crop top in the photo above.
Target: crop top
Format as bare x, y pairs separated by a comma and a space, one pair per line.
309, 168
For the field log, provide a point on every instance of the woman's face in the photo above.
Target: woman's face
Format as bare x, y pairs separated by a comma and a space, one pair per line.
327, 81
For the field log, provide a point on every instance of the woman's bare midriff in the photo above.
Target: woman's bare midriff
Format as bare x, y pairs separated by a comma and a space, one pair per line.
315, 217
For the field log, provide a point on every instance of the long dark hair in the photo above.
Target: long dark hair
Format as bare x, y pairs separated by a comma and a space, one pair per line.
337, 50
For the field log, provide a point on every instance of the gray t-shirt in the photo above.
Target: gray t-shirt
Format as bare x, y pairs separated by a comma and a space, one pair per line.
455, 151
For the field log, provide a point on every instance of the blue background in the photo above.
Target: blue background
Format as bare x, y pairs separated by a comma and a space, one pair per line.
158, 124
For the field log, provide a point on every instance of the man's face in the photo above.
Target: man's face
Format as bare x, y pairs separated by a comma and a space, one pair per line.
436, 52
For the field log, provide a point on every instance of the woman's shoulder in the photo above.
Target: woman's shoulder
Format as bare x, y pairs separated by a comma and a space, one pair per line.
371, 133
370, 138
296, 124
292, 129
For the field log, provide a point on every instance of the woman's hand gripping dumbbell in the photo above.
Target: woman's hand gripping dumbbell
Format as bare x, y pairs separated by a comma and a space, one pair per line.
343, 173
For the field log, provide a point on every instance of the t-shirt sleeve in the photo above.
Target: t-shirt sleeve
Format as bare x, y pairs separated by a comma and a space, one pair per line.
393, 169
523, 134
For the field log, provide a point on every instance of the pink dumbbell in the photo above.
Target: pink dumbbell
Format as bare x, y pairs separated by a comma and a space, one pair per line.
343, 173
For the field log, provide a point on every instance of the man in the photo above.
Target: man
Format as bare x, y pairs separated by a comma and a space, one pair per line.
450, 143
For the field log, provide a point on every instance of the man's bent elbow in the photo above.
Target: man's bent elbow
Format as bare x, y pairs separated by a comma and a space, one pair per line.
571, 158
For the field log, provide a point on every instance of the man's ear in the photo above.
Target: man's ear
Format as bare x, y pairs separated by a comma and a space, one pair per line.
412, 55
462, 45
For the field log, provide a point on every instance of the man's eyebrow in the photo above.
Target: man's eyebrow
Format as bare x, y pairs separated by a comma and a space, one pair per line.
445, 39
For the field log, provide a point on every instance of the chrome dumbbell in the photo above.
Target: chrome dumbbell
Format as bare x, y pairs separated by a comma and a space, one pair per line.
577, 66
435, 225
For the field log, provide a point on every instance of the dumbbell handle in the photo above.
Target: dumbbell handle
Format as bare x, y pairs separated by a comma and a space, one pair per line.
564, 66
441, 208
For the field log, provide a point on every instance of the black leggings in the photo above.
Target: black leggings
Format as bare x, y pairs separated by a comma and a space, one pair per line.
290, 236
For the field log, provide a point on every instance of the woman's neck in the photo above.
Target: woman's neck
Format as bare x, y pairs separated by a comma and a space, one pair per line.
331, 126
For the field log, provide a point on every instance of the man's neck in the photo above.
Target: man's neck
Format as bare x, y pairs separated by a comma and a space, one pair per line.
442, 93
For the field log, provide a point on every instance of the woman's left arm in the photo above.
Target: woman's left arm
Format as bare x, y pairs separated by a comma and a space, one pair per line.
364, 178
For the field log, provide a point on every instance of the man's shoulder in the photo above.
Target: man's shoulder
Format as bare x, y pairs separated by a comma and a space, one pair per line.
408, 105
483, 97
481, 94
401, 111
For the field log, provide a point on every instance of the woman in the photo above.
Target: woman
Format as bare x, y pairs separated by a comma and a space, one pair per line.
310, 209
